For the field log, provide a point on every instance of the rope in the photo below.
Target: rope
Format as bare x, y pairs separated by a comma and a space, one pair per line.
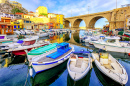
26, 78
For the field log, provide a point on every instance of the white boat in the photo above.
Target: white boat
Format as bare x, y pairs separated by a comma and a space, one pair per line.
42, 34
17, 32
112, 44
79, 65
4, 38
28, 43
49, 56
110, 67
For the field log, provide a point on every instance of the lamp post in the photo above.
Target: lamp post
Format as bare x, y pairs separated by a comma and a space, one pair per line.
88, 9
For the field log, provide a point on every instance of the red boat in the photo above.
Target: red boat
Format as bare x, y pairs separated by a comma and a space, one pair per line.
28, 44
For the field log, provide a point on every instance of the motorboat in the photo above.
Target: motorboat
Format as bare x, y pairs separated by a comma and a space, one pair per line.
28, 43
112, 44
79, 65
42, 34
3, 38
23, 32
49, 56
16, 32
110, 67
9, 45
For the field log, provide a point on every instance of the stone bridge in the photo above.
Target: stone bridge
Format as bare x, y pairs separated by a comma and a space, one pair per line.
116, 18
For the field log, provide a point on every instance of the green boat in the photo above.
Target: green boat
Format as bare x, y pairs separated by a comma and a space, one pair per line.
43, 49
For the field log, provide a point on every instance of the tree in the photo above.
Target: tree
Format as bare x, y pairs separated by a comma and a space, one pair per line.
16, 10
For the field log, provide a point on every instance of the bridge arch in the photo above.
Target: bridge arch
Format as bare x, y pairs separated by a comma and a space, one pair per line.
77, 22
92, 21
67, 24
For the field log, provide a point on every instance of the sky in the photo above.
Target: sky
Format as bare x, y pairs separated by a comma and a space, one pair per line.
74, 7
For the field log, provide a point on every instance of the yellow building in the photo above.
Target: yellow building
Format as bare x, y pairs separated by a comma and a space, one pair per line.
40, 19
51, 15
27, 23
28, 16
3, 1
15, 3
41, 10
17, 25
60, 19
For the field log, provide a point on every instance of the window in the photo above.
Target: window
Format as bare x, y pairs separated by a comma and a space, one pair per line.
18, 27
26, 43
14, 26
27, 21
11, 15
24, 21
30, 21
3, 26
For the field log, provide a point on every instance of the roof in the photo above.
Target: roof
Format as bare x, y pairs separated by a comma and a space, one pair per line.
31, 12
19, 13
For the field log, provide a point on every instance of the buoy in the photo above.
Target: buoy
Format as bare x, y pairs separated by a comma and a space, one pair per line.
30, 71
129, 54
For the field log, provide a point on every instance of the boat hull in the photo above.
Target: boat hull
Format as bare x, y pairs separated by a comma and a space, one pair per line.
112, 48
108, 73
22, 51
76, 74
39, 67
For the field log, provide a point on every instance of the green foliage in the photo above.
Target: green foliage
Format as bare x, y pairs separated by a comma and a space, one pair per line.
43, 14
126, 39
16, 10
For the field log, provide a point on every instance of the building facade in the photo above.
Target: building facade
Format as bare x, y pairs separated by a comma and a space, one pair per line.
128, 23
41, 10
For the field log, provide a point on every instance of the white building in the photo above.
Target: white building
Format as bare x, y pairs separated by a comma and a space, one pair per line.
7, 15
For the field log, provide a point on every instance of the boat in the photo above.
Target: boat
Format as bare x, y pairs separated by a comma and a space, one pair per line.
79, 65
3, 38
112, 44
110, 67
49, 56
42, 34
28, 43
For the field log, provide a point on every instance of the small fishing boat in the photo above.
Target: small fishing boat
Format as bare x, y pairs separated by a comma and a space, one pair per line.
49, 56
110, 67
79, 65
112, 44
28, 43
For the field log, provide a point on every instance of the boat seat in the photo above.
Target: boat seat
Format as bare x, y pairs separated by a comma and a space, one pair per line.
79, 63
55, 55
103, 61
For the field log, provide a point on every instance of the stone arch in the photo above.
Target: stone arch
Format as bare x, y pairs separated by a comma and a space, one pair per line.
91, 24
77, 22
67, 22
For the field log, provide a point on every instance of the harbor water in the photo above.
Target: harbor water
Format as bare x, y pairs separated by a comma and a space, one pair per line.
15, 71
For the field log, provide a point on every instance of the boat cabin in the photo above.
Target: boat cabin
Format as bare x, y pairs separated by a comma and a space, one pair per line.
112, 39
62, 47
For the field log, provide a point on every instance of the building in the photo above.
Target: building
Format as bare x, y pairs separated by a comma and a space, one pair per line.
6, 15
27, 23
28, 16
3, 1
18, 16
57, 26
16, 4
5, 26
51, 15
128, 23
41, 26
60, 19
41, 10
16, 24
50, 25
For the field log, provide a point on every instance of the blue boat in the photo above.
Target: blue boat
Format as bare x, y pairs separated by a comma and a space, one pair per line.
50, 58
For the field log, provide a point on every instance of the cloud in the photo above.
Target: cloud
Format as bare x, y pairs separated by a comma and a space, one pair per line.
49, 3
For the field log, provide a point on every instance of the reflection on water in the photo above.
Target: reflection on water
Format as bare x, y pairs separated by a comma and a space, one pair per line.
82, 82
13, 71
49, 76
